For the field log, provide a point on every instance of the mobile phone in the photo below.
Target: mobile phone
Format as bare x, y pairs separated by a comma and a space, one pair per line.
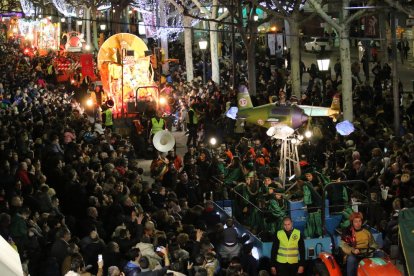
100, 258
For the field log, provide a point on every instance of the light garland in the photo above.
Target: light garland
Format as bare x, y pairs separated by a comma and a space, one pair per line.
174, 19
27, 7
64, 8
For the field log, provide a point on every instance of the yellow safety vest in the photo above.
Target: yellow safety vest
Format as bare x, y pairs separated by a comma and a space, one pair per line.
157, 125
108, 117
288, 248
195, 117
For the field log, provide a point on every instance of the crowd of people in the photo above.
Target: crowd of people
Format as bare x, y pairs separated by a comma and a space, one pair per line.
72, 189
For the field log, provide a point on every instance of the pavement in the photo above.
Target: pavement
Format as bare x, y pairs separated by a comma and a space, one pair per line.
181, 149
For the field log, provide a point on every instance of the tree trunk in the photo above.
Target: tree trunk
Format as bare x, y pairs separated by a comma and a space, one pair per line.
383, 35
215, 68
251, 64
295, 57
88, 26
94, 29
164, 46
188, 49
162, 35
116, 20
84, 23
346, 74
69, 24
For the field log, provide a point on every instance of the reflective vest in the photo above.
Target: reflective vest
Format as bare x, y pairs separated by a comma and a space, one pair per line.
288, 248
195, 117
108, 117
157, 125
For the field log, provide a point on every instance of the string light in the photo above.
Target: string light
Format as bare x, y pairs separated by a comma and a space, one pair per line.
65, 8
174, 19
27, 7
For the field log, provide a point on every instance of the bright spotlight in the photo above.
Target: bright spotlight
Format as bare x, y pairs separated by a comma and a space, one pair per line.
300, 137
255, 253
163, 100
213, 141
89, 102
308, 134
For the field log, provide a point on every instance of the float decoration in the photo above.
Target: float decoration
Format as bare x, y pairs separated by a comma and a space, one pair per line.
126, 53
74, 41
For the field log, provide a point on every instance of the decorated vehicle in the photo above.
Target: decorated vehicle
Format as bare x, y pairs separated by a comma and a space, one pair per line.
74, 41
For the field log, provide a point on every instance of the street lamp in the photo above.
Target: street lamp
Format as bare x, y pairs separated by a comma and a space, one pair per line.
203, 46
255, 16
102, 27
323, 59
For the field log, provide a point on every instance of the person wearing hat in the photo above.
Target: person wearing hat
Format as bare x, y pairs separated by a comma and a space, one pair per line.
276, 209
288, 251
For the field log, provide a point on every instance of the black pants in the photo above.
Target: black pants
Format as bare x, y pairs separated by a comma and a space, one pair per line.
286, 269
192, 134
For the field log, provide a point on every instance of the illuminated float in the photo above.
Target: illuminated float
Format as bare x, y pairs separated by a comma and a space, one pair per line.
126, 72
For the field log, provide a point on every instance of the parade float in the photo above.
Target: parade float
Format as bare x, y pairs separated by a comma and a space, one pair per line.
126, 73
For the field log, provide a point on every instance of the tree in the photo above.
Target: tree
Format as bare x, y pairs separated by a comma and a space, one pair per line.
291, 12
187, 22
342, 27
210, 12
248, 33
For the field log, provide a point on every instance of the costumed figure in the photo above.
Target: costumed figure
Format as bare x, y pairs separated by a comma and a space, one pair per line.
276, 210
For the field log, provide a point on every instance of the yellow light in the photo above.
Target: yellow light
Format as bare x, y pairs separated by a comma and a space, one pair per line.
163, 100
14, 30
89, 102
308, 134
87, 47
273, 28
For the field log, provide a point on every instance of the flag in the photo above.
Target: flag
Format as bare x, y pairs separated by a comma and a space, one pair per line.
86, 61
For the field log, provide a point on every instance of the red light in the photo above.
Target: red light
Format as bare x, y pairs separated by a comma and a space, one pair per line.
26, 51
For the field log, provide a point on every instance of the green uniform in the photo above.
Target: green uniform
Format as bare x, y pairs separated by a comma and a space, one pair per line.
314, 222
277, 211
250, 218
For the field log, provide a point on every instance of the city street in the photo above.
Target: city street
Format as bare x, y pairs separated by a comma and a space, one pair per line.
405, 71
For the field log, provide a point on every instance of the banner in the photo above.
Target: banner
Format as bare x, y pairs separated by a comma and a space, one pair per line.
86, 61
371, 26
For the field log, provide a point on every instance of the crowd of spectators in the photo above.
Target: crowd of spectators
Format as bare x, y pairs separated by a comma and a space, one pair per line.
71, 190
